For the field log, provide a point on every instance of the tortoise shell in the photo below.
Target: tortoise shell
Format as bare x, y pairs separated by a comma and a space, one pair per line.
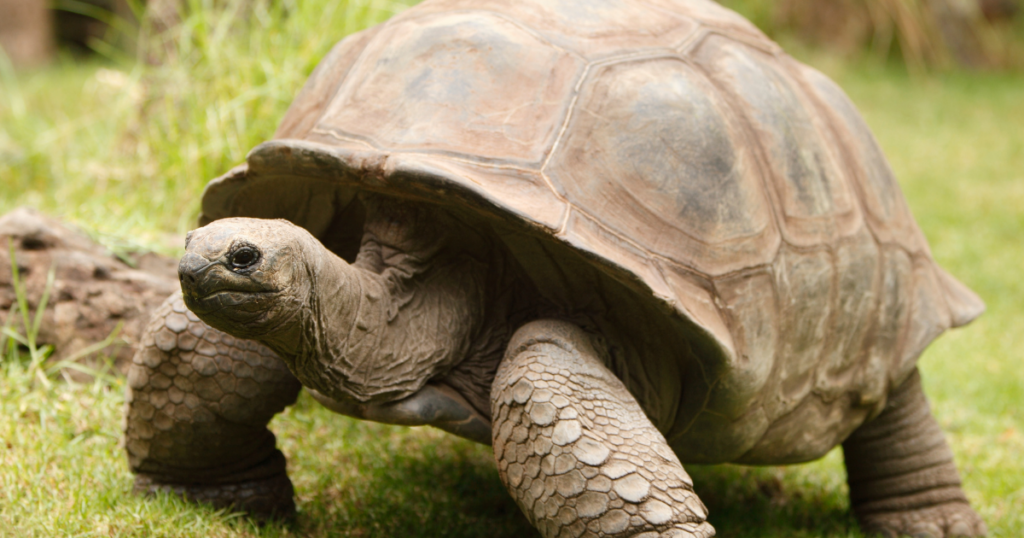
729, 203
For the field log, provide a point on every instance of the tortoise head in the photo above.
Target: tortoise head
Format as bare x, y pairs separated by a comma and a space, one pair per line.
247, 277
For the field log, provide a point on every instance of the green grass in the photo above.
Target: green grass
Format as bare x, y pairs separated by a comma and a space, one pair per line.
123, 149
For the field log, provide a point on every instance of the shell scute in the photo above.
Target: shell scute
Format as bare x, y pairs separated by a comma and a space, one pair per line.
804, 281
808, 432
855, 303
816, 202
888, 214
651, 152
700, 303
750, 305
895, 293
468, 84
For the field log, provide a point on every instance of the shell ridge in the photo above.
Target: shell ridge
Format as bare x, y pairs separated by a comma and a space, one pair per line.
740, 37
341, 136
490, 162
684, 47
569, 111
774, 379
569, 207
536, 34
661, 257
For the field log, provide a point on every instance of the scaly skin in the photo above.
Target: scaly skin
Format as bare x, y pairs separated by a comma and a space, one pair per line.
576, 451
197, 406
903, 481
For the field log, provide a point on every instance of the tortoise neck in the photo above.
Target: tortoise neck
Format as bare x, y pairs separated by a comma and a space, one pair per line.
403, 313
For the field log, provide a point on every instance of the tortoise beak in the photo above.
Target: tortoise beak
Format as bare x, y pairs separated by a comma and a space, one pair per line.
195, 276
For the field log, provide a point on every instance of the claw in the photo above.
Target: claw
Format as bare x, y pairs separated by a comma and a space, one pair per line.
958, 520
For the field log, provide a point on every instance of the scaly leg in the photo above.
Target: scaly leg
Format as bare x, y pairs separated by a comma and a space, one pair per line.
575, 449
196, 413
903, 481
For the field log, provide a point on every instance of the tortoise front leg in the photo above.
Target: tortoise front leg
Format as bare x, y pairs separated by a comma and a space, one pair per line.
903, 481
575, 449
196, 413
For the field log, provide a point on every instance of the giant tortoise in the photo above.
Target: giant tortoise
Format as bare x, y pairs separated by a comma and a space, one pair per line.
603, 236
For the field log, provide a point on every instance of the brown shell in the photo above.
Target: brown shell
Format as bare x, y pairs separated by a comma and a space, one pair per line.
681, 153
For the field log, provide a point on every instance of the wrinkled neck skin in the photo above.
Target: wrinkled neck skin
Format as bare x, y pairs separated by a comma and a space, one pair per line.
407, 311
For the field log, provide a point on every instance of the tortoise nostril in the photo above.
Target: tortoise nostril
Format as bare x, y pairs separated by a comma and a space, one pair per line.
191, 268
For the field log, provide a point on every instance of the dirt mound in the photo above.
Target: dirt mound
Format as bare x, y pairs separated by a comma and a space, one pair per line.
93, 290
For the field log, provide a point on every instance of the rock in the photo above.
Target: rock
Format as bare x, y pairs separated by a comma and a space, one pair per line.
93, 290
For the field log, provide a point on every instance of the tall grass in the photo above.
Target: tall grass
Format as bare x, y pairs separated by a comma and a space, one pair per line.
922, 35
148, 135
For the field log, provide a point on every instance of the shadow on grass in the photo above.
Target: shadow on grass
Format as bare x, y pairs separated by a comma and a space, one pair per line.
454, 495
356, 478
765, 502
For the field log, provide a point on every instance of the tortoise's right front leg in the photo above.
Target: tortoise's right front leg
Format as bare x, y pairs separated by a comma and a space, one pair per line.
196, 413
575, 449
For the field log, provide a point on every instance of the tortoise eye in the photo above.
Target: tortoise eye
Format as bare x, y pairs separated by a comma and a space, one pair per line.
244, 258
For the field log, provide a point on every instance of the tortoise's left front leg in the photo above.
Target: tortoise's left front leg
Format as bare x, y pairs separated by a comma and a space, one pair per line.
575, 449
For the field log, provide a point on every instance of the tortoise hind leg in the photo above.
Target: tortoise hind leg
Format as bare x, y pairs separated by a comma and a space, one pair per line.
575, 449
902, 477
196, 413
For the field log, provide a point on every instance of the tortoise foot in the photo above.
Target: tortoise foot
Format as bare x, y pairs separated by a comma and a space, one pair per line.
949, 520
263, 499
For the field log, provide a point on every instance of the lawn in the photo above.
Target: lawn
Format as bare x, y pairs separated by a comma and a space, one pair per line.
123, 148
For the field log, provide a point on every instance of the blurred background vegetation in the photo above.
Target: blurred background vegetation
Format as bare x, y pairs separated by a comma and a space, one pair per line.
126, 113
921, 34
974, 34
